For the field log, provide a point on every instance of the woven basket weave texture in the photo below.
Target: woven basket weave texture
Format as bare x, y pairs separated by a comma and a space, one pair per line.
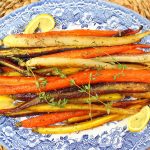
140, 6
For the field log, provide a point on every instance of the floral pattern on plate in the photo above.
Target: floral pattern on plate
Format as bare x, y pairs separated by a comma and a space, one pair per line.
70, 14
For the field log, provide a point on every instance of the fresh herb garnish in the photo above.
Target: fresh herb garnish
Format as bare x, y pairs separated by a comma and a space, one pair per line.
58, 72
51, 101
72, 82
108, 107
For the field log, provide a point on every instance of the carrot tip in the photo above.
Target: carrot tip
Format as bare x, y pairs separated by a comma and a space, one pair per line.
35, 130
18, 124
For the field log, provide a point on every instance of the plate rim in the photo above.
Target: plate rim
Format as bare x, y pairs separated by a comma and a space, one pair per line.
104, 1
115, 5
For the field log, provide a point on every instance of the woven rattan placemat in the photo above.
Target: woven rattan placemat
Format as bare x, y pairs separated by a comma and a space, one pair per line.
140, 6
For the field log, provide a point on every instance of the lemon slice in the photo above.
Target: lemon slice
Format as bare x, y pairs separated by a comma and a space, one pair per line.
138, 122
44, 22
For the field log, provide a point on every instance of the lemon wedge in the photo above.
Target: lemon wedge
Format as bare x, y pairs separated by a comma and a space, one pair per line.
44, 22
138, 122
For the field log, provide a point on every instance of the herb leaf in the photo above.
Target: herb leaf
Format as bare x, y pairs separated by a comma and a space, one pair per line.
72, 82
51, 101
57, 71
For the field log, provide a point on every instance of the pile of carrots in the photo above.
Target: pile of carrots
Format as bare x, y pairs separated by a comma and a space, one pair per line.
74, 77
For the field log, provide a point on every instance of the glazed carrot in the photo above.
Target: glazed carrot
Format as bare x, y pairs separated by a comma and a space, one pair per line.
87, 32
7, 69
134, 104
62, 62
78, 32
129, 31
85, 117
133, 51
45, 40
80, 126
21, 80
97, 51
48, 119
32, 52
140, 58
81, 78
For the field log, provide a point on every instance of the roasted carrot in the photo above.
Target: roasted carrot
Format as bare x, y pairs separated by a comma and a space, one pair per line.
7, 69
79, 32
133, 51
80, 126
35, 101
100, 88
134, 104
85, 117
44, 108
49, 119
74, 107
143, 95
129, 31
110, 75
136, 66
12, 65
87, 32
45, 40
66, 71
21, 80
98, 51
68, 62
124, 104
77, 96
140, 58
32, 52
12, 74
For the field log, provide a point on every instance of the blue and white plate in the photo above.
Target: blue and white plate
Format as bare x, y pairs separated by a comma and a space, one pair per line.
70, 14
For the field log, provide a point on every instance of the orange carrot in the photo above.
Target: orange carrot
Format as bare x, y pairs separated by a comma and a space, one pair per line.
20, 80
49, 119
7, 69
96, 51
84, 32
133, 51
81, 78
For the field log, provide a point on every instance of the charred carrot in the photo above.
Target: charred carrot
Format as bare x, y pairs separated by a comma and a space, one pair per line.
129, 31
81, 78
45, 40
97, 51
49, 119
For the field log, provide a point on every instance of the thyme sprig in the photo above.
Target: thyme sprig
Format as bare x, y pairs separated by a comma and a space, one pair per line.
51, 101
87, 89
58, 72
